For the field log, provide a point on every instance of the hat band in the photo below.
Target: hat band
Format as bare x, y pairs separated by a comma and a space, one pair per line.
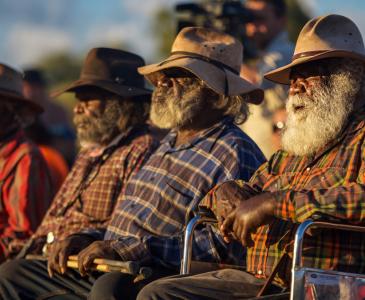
307, 54
186, 54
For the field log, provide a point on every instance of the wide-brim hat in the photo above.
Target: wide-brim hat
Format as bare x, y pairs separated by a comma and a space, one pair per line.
212, 56
11, 89
330, 36
112, 70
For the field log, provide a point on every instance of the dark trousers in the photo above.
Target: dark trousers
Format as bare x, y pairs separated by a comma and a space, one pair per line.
28, 279
221, 284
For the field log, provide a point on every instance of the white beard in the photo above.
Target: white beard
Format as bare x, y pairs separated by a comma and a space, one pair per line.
315, 121
172, 111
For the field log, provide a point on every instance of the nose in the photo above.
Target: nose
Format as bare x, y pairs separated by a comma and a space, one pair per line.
250, 29
164, 83
79, 108
298, 86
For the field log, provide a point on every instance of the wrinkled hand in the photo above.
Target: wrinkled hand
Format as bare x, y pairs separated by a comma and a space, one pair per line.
228, 196
98, 249
247, 217
60, 251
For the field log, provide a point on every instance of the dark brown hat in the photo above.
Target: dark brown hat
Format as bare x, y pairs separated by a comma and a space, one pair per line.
11, 89
112, 70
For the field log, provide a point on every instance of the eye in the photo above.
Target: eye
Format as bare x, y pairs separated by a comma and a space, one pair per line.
165, 83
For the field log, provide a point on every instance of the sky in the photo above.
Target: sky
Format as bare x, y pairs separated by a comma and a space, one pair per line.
32, 29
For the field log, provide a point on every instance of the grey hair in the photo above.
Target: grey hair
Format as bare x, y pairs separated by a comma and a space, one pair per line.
132, 112
234, 106
354, 69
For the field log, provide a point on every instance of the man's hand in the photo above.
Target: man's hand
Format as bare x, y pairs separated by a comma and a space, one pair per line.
98, 249
60, 251
228, 196
247, 217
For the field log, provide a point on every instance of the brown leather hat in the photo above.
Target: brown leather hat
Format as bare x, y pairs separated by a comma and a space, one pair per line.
112, 70
323, 37
212, 56
11, 89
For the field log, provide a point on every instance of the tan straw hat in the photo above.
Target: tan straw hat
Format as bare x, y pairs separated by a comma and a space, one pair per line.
112, 70
212, 56
11, 89
323, 37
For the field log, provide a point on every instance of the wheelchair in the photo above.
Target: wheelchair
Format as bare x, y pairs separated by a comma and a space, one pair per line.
306, 283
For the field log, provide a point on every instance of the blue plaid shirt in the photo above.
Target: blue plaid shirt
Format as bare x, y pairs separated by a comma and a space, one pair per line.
160, 199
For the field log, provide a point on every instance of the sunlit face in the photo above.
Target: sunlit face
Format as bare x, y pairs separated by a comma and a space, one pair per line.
177, 99
95, 117
321, 98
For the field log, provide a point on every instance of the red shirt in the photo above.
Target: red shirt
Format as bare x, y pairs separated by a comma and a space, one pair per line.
25, 191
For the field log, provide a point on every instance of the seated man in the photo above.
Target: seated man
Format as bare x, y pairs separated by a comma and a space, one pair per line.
25, 184
319, 173
110, 121
199, 94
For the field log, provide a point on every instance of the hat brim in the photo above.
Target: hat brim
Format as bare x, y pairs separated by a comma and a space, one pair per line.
121, 90
33, 107
282, 75
213, 76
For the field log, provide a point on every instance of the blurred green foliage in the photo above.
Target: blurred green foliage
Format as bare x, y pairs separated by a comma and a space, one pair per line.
297, 17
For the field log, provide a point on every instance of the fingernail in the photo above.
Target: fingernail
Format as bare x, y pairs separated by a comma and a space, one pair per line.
63, 270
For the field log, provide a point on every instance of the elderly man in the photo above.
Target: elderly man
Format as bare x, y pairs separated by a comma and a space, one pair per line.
319, 173
110, 120
25, 186
199, 94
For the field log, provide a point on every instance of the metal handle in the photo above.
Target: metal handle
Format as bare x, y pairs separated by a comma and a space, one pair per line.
188, 240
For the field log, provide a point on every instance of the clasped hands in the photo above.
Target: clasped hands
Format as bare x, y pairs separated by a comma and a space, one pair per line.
86, 249
240, 211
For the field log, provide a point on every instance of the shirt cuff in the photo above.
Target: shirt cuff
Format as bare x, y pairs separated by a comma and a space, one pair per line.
130, 249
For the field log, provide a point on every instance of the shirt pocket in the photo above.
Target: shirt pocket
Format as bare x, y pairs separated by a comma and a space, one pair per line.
308, 179
324, 178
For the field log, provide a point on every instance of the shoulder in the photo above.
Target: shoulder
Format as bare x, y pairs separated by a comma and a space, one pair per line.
141, 142
237, 140
27, 148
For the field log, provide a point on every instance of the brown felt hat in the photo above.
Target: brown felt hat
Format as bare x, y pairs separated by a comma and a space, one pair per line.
212, 56
11, 89
112, 70
323, 37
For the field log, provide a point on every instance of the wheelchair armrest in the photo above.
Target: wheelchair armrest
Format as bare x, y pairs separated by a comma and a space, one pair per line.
297, 285
303, 228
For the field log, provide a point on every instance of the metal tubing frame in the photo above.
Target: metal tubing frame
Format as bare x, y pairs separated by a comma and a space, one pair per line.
188, 240
297, 283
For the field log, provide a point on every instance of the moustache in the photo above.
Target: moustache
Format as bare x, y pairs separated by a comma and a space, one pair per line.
82, 121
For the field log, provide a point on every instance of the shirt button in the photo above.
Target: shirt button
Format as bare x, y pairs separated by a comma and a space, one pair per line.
308, 169
50, 237
259, 272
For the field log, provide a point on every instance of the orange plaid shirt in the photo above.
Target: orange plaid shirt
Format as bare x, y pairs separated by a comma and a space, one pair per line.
330, 183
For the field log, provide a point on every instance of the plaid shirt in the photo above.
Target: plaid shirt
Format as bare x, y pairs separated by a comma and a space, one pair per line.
160, 199
330, 183
25, 191
87, 198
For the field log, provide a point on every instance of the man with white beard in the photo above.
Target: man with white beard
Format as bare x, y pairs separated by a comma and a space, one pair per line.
319, 173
